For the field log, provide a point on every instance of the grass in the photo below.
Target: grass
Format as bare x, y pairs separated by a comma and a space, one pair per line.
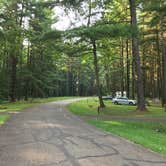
84, 107
3, 118
89, 107
149, 134
6, 107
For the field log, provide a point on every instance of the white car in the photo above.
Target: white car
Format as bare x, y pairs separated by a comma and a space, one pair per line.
124, 100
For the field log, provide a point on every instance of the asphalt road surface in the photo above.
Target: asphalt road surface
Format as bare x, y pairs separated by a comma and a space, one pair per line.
49, 135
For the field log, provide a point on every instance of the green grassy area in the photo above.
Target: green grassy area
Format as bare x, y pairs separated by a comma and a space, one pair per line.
6, 107
149, 134
89, 107
3, 118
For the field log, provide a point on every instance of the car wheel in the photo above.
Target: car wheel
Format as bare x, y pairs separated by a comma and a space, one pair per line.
116, 102
131, 103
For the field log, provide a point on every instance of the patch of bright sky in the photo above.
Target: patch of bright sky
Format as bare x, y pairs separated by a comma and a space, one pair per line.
71, 19
65, 20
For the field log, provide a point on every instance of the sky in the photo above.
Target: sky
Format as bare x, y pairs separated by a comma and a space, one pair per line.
73, 19
66, 21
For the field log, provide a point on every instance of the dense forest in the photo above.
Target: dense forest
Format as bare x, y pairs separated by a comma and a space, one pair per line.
111, 45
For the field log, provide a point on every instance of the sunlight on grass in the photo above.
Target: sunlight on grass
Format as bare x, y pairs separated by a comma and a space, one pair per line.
149, 134
84, 107
3, 118
116, 123
89, 107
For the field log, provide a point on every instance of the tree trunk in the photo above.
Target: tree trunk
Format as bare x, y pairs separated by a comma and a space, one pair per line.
128, 69
95, 61
97, 75
144, 69
136, 57
12, 74
133, 79
122, 67
159, 74
164, 61
107, 78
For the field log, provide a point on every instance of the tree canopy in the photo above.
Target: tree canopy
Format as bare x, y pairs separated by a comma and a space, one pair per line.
116, 45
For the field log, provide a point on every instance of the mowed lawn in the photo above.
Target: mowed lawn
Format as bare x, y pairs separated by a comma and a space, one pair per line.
89, 107
150, 134
3, 118
6, 107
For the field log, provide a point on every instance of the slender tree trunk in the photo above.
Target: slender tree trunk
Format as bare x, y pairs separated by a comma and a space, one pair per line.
67, 83
107, 78
12, 82
133, 80
26, 79
159, 74
99, 92
90, 12
97, 74
162, 42
144, 68
144, 60
122, 67
136, 57
128, 69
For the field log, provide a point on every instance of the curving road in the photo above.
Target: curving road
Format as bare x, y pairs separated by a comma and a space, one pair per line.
48, 135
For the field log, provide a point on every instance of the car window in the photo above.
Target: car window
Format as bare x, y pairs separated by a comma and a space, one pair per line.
124, 98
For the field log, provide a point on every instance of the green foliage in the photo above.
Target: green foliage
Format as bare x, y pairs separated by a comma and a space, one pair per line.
71, 3
1, 35
50, 62
103, 31
52, 35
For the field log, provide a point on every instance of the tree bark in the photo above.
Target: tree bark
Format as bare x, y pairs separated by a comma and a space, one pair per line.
128, 69
12, 74
133, 79
159, 72
99, 92
164, 61
97, 75
136, 57
122, 67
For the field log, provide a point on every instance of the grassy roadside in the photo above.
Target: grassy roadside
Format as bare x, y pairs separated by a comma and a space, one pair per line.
20, 105
3, 118
151, 135
89, 107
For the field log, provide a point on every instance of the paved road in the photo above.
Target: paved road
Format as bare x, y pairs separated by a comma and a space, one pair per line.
48, 135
